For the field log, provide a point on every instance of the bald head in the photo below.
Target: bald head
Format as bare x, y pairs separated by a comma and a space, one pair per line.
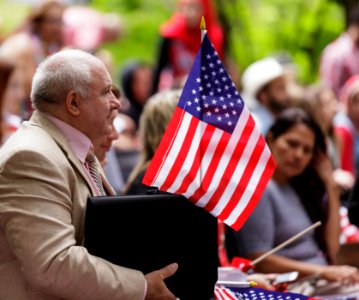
65, 71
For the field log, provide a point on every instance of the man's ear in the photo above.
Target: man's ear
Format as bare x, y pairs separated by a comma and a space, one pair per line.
73, 103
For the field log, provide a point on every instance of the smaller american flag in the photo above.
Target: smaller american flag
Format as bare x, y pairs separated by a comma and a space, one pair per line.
236, 293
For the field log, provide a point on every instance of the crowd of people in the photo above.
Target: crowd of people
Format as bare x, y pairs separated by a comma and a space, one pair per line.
72, 128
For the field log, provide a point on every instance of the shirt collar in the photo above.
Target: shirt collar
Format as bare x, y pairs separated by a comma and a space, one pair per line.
79, 143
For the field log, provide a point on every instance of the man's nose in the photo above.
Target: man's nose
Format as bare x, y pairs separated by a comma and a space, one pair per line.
115, 103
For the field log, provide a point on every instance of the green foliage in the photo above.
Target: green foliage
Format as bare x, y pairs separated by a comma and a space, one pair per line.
300, 28
141, 20
11, 15
254, 28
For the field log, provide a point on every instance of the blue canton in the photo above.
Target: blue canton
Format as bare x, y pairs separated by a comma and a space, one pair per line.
209, 93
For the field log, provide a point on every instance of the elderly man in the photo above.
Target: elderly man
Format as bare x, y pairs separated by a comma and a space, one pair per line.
46, 176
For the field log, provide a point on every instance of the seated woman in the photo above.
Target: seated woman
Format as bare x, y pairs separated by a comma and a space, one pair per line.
301, 192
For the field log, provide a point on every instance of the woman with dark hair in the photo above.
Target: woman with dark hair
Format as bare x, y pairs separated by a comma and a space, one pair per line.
301, 192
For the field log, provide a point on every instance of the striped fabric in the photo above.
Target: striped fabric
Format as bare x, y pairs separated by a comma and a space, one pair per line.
95, 174
211, 152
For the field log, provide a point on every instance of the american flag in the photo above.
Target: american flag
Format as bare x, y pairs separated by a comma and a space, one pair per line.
211, 152
236, 293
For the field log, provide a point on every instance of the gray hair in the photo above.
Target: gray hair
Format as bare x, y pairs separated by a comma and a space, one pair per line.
59, 74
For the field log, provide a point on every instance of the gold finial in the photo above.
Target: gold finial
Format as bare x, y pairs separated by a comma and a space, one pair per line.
203, 24
252, 283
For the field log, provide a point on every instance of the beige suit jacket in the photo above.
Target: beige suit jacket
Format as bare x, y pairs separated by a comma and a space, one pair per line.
43, 195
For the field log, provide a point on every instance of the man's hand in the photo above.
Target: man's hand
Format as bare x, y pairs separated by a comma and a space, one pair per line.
156, 287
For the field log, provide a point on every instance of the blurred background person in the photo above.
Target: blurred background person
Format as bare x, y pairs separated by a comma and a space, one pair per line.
340, 58
12, 100
323, 106
264, 90
301, 192
180, 40
346, 126
135, 82
6, 69
105, 150
39, 36
88, 29
156, 115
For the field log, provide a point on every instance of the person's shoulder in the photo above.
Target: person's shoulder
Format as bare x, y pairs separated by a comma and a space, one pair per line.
338, 48
19, 43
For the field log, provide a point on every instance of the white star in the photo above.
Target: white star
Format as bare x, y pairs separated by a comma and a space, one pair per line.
208, 85
203, 68
189, 103
219, 118
226, 115
196, 100
214, 101
224, 106
198, 79
231, 104
208, 56
229, 123
211, 65
198, 108
208, 113
219, 90
193, 91
216, 110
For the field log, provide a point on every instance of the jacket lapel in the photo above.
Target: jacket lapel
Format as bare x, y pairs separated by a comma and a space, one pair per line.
38, 120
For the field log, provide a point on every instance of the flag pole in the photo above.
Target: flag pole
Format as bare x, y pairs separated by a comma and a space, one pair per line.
203, 28
238, 284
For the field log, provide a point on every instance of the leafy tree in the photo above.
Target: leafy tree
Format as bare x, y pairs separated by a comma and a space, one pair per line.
300, 28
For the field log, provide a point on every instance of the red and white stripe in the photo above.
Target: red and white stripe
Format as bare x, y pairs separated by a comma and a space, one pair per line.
222, 172
222, 293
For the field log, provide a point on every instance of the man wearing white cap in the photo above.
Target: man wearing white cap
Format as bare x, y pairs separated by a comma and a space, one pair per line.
265, 91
